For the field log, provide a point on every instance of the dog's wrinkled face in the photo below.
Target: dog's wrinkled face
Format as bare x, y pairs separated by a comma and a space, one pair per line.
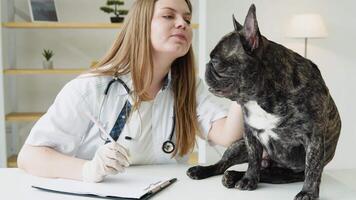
232, 67
223, 66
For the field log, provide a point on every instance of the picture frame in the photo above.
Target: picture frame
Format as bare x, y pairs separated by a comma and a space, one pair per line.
43, 11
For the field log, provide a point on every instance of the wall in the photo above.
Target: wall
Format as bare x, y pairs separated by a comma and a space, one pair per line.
335, 55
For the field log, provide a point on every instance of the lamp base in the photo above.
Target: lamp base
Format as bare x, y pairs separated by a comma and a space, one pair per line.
305, 47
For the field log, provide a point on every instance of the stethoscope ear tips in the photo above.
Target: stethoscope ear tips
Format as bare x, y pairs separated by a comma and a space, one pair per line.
128, 138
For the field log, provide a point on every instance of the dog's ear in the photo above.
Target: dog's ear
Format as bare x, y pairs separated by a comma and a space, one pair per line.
250, 30
237, 25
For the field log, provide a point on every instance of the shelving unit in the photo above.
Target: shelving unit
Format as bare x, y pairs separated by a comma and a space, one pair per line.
58, 25
23, 117
13, 70
3, 154
42, 71
11, 161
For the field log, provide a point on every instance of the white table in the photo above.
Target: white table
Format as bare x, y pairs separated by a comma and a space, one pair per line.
336, 184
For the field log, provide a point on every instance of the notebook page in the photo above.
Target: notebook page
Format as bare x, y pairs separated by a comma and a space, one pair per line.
122, 185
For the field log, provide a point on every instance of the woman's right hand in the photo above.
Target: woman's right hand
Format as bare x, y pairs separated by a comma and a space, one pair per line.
109, 159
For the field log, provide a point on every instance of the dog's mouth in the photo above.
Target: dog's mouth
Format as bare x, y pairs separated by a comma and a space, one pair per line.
226, 91
216, 92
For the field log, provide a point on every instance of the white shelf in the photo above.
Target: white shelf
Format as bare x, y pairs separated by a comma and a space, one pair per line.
23, 116
69, 25
43, 71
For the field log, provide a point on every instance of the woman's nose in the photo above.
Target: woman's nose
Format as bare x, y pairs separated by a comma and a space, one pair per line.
181, 23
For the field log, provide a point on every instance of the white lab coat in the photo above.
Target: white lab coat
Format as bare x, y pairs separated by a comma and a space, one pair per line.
68, 130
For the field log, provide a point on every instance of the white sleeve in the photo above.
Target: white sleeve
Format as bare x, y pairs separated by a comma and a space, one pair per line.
63, 126
209, 108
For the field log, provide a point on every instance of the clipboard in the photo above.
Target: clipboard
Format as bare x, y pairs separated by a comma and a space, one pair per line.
111, 188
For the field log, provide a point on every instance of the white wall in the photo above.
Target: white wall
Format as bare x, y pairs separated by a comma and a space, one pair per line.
335, 55
77, 48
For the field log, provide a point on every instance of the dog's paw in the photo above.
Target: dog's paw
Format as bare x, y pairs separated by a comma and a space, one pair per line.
231, 177
247, 184
197, 172
303, 195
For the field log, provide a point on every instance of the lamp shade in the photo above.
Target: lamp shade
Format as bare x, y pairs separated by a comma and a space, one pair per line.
307, 26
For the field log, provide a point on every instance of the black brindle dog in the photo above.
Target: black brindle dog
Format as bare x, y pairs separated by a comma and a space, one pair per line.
287, 108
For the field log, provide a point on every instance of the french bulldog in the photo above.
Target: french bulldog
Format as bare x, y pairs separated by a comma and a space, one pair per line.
287, 108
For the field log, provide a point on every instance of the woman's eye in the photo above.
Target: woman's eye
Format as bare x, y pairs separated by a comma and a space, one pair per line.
168, 16
188, 21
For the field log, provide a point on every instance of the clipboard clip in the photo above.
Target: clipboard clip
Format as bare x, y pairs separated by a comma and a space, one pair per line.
161, 186
152, 185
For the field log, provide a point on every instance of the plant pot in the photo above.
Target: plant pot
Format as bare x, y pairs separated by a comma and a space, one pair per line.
116, 19
47, 64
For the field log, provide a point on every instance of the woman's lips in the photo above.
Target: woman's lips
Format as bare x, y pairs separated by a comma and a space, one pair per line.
180, 36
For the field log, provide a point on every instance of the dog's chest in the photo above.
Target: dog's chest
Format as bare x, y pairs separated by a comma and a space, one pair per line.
264, 122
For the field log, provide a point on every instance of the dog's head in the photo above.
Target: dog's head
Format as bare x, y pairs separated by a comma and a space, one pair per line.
233, 66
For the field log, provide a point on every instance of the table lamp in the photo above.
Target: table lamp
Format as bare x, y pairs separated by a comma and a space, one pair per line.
307, 26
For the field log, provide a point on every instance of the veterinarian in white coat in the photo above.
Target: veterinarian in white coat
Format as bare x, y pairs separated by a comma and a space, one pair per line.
169, 104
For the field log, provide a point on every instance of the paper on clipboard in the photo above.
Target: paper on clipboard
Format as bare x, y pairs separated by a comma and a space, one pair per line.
122, 186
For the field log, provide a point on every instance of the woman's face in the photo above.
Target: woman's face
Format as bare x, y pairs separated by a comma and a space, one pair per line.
171, 32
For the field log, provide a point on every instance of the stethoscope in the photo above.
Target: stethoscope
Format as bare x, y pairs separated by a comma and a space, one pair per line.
168, 146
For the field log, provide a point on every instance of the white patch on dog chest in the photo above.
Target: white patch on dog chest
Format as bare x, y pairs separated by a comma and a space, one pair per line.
260, 119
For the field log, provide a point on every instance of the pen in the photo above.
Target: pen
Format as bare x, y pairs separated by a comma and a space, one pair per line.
101, 128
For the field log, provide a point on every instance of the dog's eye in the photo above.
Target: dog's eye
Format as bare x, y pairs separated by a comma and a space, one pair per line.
229, 62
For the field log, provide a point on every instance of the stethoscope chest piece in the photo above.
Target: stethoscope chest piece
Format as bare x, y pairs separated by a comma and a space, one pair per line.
168, 146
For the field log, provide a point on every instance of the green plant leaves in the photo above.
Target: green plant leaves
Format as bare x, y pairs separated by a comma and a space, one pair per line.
47, 53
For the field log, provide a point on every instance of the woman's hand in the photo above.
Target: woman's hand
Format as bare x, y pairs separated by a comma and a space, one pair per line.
109, 159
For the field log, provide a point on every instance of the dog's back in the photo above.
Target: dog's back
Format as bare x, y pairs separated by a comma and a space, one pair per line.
300, 91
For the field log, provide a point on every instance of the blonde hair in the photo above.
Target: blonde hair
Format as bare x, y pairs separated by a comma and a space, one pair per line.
131, 53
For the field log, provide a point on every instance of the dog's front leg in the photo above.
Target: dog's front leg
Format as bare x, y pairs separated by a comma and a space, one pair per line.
313, 167
254, 148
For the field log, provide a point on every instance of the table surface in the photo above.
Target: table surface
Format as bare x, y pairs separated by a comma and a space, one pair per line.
336, 184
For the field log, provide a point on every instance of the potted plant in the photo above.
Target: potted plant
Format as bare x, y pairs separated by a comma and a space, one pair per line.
112, 6
47, 62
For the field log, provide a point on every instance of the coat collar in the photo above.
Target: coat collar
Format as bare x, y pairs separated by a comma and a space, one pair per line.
126, 78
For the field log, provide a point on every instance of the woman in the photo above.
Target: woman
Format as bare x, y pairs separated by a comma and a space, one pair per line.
153, 59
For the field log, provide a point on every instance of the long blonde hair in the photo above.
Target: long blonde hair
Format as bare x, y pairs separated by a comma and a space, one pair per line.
132, 53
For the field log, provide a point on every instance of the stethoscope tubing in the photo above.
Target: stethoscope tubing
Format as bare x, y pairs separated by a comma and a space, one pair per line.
168, 146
